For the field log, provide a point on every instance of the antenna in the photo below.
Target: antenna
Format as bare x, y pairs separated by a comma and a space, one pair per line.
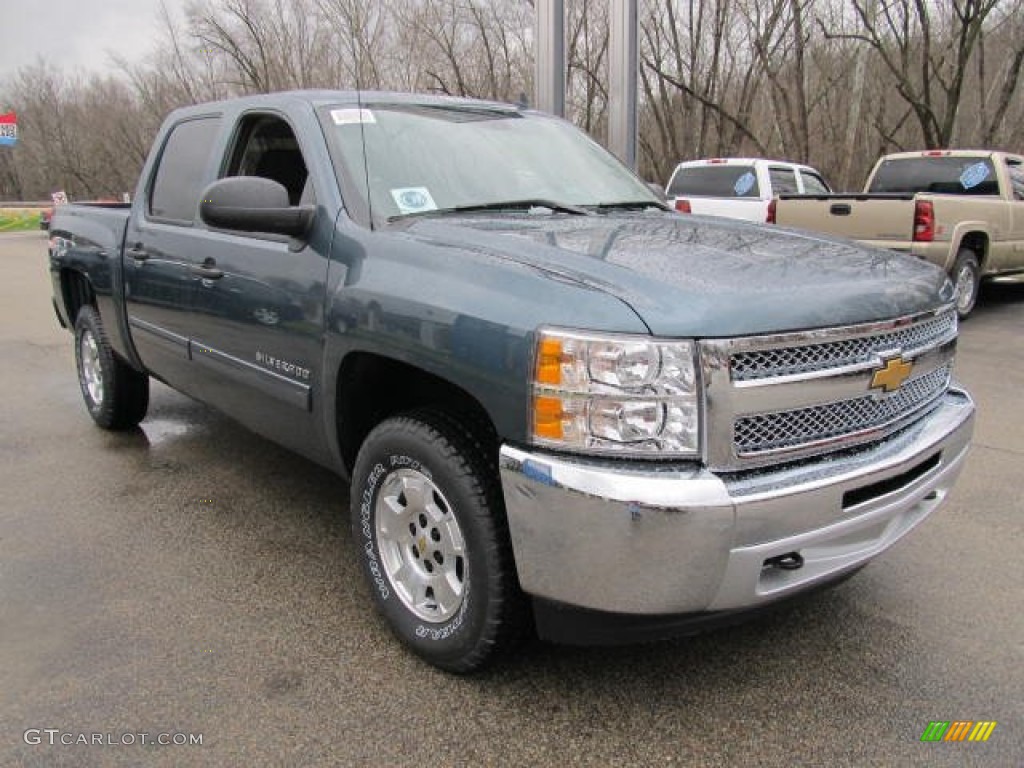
366, 162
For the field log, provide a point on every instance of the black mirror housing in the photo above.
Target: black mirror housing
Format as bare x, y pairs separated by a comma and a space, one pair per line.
253, 204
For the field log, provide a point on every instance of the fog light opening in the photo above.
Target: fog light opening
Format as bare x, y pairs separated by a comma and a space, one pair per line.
791, 561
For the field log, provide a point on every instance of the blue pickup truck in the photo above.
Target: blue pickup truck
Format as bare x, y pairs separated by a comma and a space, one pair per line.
564, 409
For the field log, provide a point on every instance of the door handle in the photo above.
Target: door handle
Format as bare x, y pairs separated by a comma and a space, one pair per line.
207, 270
138, 252
840, 209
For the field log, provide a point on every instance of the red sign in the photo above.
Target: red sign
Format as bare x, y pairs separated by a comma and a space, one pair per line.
8, 129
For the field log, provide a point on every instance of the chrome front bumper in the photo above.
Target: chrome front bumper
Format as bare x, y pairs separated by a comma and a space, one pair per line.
645, 539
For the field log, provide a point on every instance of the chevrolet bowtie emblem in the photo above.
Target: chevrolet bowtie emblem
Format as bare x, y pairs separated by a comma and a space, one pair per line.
891, 376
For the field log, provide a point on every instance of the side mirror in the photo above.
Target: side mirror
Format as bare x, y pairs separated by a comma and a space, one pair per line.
254, 204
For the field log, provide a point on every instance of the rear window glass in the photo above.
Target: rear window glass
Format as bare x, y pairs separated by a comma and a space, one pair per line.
183, 165
783, 181
938, 175
715, 181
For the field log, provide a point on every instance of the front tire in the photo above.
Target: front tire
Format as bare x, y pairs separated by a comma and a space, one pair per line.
428, 523
116, 395
967, 278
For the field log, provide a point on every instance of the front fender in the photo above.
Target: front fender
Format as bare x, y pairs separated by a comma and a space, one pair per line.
463, 316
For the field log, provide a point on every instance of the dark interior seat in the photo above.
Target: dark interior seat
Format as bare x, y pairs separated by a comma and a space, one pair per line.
286, 167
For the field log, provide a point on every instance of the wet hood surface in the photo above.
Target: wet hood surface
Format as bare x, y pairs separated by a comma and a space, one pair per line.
704, 276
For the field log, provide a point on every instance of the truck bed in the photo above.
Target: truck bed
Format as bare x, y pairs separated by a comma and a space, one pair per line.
103, 224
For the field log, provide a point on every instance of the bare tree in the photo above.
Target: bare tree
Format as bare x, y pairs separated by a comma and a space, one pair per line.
926, 48
832, 82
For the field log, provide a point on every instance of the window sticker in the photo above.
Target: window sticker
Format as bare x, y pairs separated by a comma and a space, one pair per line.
973, 175
352, 116
744, 184
413, 200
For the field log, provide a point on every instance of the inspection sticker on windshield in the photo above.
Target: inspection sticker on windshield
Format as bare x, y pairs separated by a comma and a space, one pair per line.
352, 116
973, 175
744, 184
413, 200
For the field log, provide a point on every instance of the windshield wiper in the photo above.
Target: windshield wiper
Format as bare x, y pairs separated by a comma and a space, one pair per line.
631, 205
504, 205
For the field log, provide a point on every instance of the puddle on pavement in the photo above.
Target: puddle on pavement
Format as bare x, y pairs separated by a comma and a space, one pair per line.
159, 431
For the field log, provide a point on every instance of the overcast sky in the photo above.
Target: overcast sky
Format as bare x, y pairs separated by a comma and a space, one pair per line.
78, 34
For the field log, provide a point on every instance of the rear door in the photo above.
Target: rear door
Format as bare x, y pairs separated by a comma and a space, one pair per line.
159, 242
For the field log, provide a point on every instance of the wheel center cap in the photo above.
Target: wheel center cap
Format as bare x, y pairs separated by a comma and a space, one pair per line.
422, 543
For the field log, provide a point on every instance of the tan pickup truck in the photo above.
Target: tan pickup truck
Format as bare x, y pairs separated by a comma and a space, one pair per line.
960, 209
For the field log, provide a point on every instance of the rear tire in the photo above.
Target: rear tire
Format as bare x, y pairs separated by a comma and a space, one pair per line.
428, 522
116, 395
967, 278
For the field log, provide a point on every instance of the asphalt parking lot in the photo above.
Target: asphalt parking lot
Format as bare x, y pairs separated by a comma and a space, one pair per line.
190, 578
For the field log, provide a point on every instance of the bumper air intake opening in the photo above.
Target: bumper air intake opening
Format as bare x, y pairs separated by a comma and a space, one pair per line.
791, 561
876, 490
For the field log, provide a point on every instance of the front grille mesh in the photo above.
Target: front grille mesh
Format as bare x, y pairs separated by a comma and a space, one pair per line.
768, 363
805, 426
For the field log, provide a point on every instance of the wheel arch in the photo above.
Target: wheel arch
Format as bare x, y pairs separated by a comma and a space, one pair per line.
76, 292
371, 388
977, 241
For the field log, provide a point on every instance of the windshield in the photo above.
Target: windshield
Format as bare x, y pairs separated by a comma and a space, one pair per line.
939, 175
423, 158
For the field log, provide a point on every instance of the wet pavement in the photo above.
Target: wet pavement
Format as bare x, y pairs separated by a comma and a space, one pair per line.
190, 578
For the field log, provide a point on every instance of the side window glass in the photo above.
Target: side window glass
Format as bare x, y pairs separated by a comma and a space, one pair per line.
783, 181
1016, 171
183, 164
813, 184
267, 147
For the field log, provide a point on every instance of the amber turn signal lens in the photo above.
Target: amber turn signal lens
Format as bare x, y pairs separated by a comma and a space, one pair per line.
547, 417
549, 362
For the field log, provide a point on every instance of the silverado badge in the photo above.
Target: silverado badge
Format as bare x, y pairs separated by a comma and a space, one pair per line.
891, 375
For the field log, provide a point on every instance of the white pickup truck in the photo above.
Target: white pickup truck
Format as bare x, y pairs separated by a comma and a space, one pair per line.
960, 209
739, 187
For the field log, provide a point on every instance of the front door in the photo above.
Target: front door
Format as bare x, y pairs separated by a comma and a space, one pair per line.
257, 327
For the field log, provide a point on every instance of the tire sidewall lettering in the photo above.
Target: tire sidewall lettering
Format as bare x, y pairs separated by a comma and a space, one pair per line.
366, 530
369, 547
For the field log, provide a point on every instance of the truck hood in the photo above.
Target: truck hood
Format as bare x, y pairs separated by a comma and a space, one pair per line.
704, 276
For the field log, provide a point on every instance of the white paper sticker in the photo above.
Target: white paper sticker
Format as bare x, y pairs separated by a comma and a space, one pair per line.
413, 200
352, 116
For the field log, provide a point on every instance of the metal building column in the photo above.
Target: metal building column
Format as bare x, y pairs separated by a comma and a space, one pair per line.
549, 57
622, 76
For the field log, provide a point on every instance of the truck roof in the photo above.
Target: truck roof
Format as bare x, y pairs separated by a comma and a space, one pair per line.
741, 161
945, 153
320, 98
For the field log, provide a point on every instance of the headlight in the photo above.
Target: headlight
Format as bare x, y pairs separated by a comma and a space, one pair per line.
626, 395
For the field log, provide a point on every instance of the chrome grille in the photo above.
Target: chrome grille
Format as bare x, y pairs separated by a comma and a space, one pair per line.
770, 363
807, 426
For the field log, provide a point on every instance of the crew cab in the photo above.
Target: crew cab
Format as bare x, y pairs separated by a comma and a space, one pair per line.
960, 209
562, 407
739, 188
